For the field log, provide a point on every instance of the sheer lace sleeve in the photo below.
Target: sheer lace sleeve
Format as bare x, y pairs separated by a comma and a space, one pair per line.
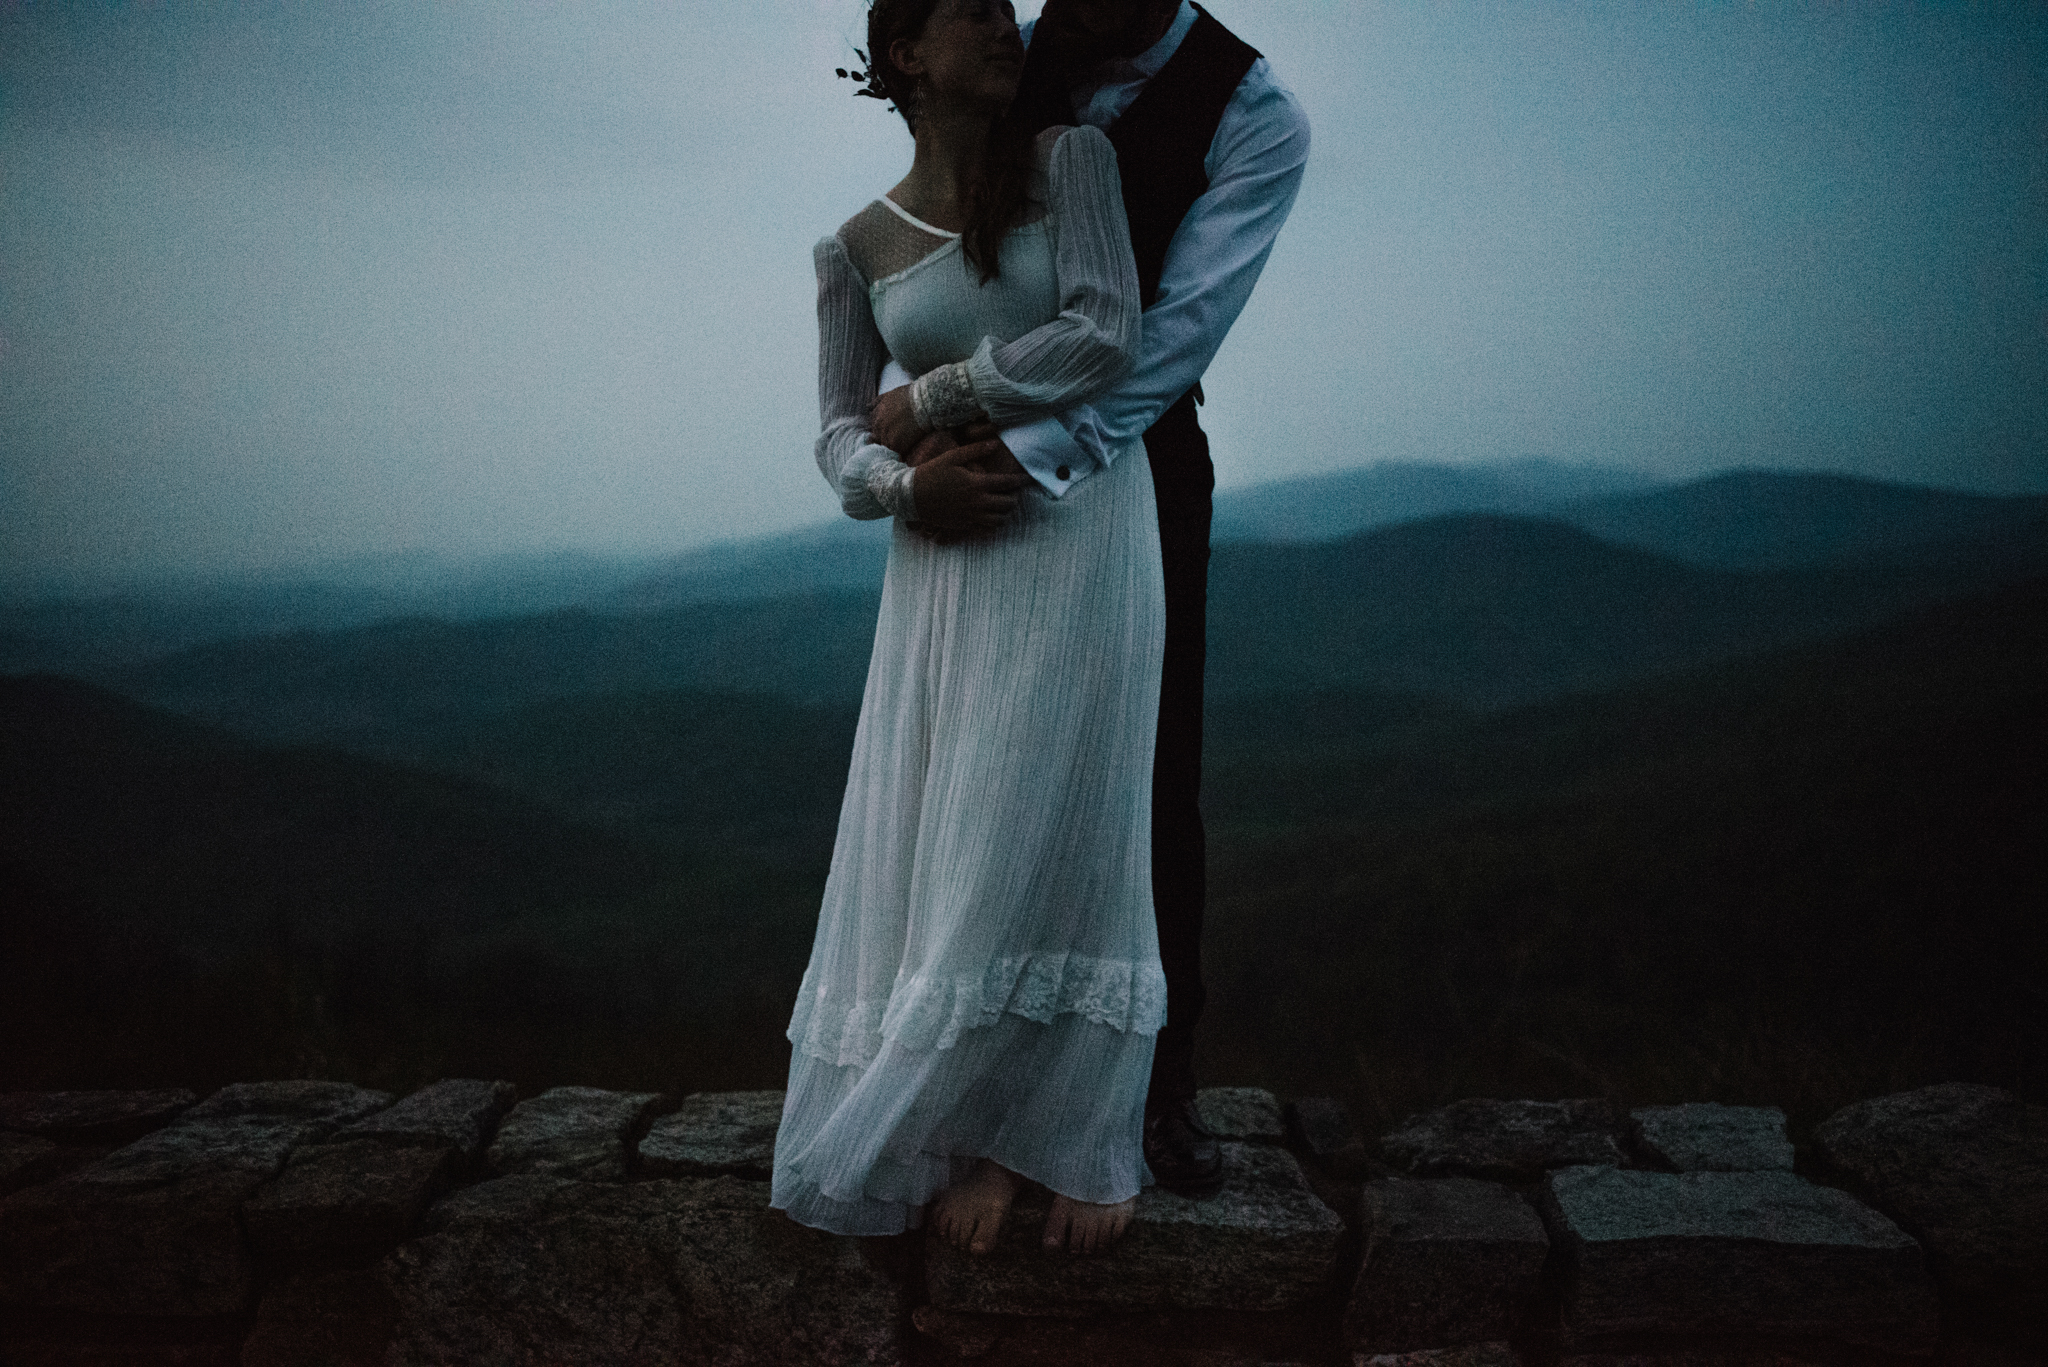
870, 481
1094, 340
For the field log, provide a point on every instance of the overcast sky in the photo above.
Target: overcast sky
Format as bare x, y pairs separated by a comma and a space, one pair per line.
283, 282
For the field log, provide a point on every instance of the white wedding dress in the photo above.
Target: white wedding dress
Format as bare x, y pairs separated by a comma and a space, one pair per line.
985, 979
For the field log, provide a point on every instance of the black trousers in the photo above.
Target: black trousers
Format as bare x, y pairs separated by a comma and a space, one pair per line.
1184, 479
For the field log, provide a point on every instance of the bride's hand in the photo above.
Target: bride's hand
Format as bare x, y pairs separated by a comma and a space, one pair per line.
893, 423
960, 492
934, 444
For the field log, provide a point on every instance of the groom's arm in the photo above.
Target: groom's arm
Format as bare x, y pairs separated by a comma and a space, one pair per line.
1255, 167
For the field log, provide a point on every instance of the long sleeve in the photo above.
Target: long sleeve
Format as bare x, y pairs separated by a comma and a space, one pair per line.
1255, 166
1255, 169
869, 479
1094, 339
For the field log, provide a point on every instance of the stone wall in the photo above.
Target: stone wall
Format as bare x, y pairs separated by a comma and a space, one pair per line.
300, 1223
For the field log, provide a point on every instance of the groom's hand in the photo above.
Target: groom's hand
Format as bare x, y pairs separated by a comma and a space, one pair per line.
967, 489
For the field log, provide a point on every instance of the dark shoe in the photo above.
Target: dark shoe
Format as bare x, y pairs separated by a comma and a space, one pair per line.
1185, 1158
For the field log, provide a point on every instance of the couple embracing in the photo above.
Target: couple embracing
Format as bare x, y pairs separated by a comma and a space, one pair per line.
1006, 974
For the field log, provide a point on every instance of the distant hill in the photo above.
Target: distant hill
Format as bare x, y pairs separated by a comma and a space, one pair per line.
840, 556
364, 686
85, 632
1484, 611
1328, 507
1788, 879
1492, 611
1767, 520
181, 904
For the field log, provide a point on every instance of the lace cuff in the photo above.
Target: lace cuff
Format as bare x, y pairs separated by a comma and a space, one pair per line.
944, 397
889, 481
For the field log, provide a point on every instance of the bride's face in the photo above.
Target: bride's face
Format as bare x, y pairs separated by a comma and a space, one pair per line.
969, 54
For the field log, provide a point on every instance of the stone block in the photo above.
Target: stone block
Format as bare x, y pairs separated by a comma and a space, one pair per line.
1448, 1260
152, 1228
458, 1113
321, 1106
1733, 1252
1467, 1355
714, 1133
323, 1319
356, 1197
1319, 1125
1264, 1242
1704, 1136
92, 1117
26, 1160
1719, 1354
1244, 1113
573, 1132
1506, 1141
541, 1270
1964, 1169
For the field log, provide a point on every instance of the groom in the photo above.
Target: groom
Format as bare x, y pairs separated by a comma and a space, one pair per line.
1211, 147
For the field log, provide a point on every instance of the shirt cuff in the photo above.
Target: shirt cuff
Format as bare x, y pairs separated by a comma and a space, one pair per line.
1048, 454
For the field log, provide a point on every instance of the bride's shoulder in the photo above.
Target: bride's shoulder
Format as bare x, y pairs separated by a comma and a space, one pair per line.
864, 224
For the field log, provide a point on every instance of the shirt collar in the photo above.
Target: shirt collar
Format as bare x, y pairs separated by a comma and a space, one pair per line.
1149, 62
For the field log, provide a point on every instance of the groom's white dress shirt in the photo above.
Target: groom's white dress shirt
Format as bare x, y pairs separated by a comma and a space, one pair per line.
1254, 167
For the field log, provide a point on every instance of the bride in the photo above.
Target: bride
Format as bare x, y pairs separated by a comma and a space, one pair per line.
984, 989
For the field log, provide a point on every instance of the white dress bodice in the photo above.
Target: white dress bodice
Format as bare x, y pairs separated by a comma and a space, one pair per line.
937, 311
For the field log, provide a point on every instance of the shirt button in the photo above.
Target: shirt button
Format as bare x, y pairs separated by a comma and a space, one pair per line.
1063, 473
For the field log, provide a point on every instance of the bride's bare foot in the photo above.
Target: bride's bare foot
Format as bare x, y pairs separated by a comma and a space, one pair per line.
970, 1213
1083, 1226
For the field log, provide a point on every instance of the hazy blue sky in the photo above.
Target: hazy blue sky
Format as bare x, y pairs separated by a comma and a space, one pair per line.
288, 281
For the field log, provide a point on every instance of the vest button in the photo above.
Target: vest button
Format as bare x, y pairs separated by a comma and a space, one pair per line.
1063, 473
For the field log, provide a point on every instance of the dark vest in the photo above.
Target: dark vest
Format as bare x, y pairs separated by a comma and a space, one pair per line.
1162, 140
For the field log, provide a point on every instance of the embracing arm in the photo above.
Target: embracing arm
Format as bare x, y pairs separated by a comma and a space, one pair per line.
1095, 338
1255, 167
870, 481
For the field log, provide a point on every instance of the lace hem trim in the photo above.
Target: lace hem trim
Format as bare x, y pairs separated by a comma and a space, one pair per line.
931, 1013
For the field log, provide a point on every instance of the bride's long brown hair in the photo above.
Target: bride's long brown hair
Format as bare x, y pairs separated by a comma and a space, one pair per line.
1002, 183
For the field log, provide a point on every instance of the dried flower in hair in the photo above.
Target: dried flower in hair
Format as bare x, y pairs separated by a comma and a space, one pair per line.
870, 85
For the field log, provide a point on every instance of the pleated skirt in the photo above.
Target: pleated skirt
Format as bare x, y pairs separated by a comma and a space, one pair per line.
985, 977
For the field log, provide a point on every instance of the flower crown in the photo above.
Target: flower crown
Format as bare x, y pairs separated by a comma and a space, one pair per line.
870, 85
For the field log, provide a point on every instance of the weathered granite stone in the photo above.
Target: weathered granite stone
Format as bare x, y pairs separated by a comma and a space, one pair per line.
458, 1113
1964, 1169
346, 1198
1246, 1113
713, 1133
26, 1160
1704, 1136
92, 1117
115, 1346
1733, 1252
1508, 1141
153, 1228
322, 1106
1721, 1354
1263, 1243
1320, 1125
574, 1132
964, 1335
1468, 1355
1448, 1260
540, 1270
323, 1319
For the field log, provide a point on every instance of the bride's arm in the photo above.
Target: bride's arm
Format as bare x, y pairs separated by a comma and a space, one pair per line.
870, 481
1095, 338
